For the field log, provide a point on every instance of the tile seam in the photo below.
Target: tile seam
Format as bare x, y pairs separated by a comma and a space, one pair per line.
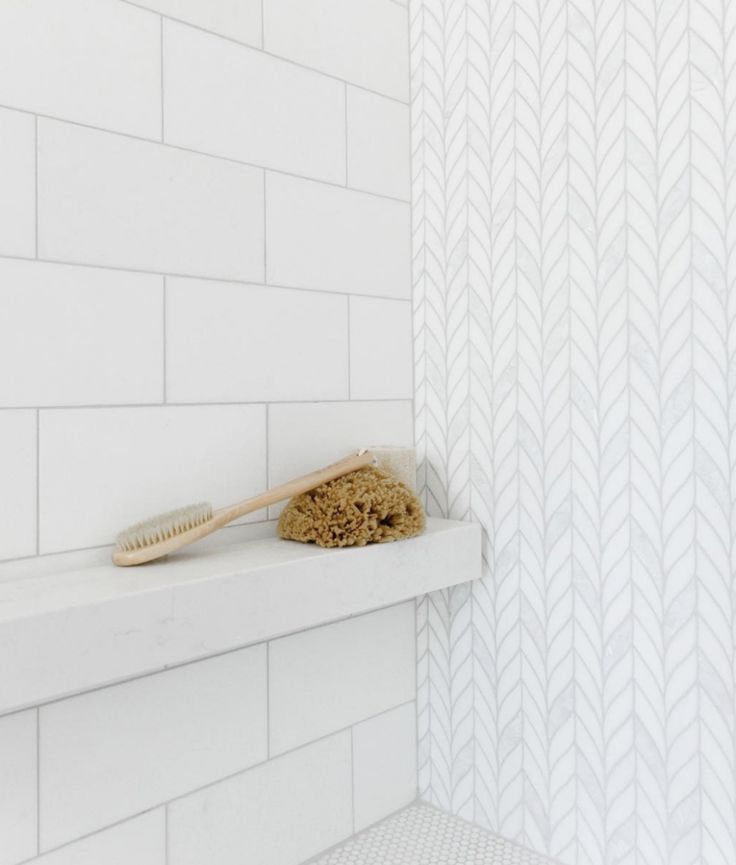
166, 803
213, 404
204, 278
268, 53
180, 148
224, 653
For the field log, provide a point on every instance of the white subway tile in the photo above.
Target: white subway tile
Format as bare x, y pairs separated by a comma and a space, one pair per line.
228, 343
17, 182
237, 19
111, 200
378, 144
381, 364
304, 436
328, 678
18, 473
108, 754
293, 120
280, 813
92, 61
140, 841
384, 764
18, 761
103, 469
331, 238
79, 335
366, 43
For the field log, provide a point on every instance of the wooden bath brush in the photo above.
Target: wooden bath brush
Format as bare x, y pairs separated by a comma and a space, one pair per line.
366, 503
169, 532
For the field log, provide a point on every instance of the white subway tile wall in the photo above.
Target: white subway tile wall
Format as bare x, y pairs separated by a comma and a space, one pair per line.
237, 19
193, 209
101, 468
140, 841
292, 120
116, 201
79, 335
358, 41
18, 769
380, 339
18, 470
17, 183
326, 237
112, 753
385, 764
281, 813
331, 677
379, 145
228, 342
95, 62
175, 767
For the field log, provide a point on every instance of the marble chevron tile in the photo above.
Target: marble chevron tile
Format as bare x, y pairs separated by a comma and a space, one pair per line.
574, 231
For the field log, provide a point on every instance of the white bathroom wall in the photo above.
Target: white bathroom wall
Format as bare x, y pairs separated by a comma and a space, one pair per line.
575, 316
270, 753
204, 254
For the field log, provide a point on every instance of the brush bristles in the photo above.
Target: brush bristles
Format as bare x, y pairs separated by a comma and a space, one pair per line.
164, 526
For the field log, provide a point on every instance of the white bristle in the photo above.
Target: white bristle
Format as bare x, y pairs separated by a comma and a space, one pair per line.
164, 526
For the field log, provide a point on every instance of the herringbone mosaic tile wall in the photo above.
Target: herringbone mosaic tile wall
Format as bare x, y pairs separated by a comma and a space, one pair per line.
575, 332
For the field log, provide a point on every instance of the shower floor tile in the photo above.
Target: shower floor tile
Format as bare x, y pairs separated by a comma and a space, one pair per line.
422, 835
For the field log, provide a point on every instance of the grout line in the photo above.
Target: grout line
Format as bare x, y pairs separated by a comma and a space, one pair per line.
240, 648
214, 783
265, 226
38, 481
268, 699
166, 834
205, 278
269, 508
47, 555
96, 832
273, 54
332, 734
161, 74
350, 356
164, 321
347, 184
263, 25
38, 780
268, 468
327, 624
208, 155
352, 776
35, 136
150, 405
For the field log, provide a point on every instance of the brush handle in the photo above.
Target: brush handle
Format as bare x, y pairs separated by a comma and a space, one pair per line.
295, 487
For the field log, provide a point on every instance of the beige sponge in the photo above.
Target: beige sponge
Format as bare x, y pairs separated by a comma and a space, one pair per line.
365, 507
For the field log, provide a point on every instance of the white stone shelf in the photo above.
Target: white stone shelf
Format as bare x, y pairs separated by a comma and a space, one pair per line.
65, 633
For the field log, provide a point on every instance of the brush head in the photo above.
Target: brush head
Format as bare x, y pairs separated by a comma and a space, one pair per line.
164, 526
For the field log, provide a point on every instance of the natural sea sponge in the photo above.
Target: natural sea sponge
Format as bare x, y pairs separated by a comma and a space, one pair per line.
368, 506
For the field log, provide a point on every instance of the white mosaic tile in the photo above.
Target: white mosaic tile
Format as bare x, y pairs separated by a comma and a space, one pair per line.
422, 835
